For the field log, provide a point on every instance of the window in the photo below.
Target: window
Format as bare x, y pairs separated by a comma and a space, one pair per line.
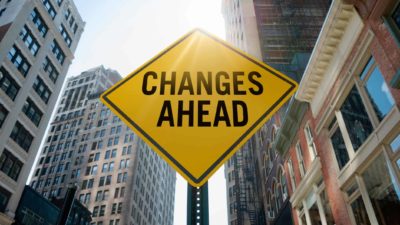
71, 21
41, 89
4, 198
98, 196
50, 8
114, 208
59, 2
32, 111
113, 153
116, 193
116, 140
10, 165
67, 14
299, 154
339, 147
105, 195
3, 114
108, 179
102, 210
119, 208
50, 69
21, 136
377, 90
39, 23
310, 141
30, 41
105, 168
392, 21
382, 189
19, 60
8, 84
93, 170
95, 211
58, 53
107, 155
65, 35
111, 167
356, 119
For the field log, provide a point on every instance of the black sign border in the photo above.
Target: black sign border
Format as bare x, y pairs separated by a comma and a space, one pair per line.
230, 149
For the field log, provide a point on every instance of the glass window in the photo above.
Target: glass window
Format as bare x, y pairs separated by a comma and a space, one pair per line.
395, 144
327, 208
39, 23
359, 212
383, 191
4, 197
30, 41
50, 69
377, 90
42, 89
356, 118
291, 174
299, 154
58, 53
398, 164
310, 141
10, 165
342, 156
19, 60
32, 111
65, 35
8, 84
314, 214
50, 8
21, 136
3, 114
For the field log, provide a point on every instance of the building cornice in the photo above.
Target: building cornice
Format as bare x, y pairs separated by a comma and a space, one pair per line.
338, 34
291, 122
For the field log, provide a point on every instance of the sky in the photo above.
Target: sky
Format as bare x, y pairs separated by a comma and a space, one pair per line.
124, 34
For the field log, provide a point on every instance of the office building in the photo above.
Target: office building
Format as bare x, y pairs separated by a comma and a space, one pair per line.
119, 178
49, 212
37, 44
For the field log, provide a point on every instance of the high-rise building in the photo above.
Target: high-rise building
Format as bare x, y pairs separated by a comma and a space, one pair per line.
119, 178
37, 43
281, 34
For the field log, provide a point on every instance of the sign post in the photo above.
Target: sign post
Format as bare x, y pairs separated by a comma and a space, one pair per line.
196, 103
197, 205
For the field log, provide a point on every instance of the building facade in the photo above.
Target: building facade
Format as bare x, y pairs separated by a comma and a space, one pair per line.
49, 213
342, 146
37, 43
282, 34
120, 180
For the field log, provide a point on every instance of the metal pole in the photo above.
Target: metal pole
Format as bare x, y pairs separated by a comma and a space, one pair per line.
197, 205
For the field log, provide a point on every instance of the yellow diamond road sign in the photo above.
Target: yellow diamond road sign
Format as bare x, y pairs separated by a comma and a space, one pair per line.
198, 101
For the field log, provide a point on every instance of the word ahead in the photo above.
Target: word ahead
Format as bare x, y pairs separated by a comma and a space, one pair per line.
203, 85
198, 101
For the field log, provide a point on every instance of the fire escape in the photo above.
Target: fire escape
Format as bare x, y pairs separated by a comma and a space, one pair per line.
248, 209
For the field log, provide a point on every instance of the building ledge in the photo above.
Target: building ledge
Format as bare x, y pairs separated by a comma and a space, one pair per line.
312, 175
338, 34
291, 122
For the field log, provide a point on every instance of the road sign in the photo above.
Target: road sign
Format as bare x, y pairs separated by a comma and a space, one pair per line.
198, 101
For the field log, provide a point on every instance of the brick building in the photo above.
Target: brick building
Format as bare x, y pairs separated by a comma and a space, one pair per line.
341, 140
